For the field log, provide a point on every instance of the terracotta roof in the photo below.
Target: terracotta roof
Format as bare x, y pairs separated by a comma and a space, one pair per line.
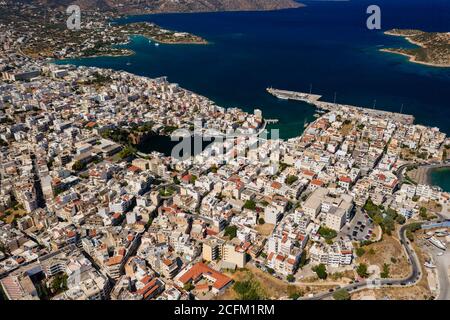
200, 269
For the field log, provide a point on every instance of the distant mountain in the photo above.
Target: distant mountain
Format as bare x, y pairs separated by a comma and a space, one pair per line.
162, 6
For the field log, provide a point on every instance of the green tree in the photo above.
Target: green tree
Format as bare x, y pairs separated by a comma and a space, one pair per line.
261, 221
188, 286
341, 294
248, 290
327, 233
231, 231
423, 212
59, 283
291, 179
385, 273
362, 270
400, 219
321, 271
360, 251
250, 204
290, 278
78, 166
303, 260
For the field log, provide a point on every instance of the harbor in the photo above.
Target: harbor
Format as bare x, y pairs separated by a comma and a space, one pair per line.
313, 99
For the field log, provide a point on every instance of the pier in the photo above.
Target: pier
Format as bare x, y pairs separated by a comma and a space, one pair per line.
293, 95
313, 99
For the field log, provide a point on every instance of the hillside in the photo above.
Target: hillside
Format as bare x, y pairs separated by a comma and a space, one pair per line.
165, 6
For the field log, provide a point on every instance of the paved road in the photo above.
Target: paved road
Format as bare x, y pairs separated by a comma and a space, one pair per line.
443, 265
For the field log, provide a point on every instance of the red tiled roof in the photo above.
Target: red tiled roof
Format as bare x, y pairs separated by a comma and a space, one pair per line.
200, 269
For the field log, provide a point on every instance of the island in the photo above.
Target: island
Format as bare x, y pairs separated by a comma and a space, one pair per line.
433, 47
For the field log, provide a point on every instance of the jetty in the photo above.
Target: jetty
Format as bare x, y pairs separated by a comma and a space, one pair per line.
293, 95
323, 106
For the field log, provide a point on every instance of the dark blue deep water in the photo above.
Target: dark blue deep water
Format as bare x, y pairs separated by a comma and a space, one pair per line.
325, 44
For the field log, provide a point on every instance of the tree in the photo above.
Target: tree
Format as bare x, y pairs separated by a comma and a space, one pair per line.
409, 235
290, 278
303, 260
362, 270
423, 212
193, 179
400, 219
327, 233
231, 231
360, 251
385, 273
59, 283
341, 294
188, 286
321, 271
250, 204
248, 290
126, 152
291, 179
78, 166
261, 221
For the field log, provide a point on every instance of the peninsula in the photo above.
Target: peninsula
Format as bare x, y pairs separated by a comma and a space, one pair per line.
433, 47
98, 36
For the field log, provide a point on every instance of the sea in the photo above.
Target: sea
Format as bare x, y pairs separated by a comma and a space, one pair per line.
325, 48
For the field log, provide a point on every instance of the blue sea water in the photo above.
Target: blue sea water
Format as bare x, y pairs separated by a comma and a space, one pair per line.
326, 44
441, 177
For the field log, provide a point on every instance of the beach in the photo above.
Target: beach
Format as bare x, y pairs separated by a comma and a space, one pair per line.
430, 174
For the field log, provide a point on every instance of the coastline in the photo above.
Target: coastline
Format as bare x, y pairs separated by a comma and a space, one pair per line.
431, 170
423, 173
412, 59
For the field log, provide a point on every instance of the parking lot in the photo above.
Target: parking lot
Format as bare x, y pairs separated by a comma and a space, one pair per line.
360, 228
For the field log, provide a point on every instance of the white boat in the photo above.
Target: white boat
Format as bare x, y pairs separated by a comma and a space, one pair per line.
437, 243
156, 44
440, 254
429, 265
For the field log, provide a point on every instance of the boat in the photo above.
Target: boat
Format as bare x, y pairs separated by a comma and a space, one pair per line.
441, 234
437, 243
429, 265
128, 63
156, 44
440, 254
316, 115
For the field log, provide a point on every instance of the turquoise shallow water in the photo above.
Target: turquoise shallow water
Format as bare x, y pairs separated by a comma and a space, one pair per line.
441, 177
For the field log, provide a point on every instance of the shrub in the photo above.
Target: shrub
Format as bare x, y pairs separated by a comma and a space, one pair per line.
341, 294
321, 271
362, 270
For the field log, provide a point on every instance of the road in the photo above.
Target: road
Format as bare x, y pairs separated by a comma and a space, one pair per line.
443, 265
412, 279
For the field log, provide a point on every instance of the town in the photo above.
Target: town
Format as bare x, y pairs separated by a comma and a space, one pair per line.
85, 215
